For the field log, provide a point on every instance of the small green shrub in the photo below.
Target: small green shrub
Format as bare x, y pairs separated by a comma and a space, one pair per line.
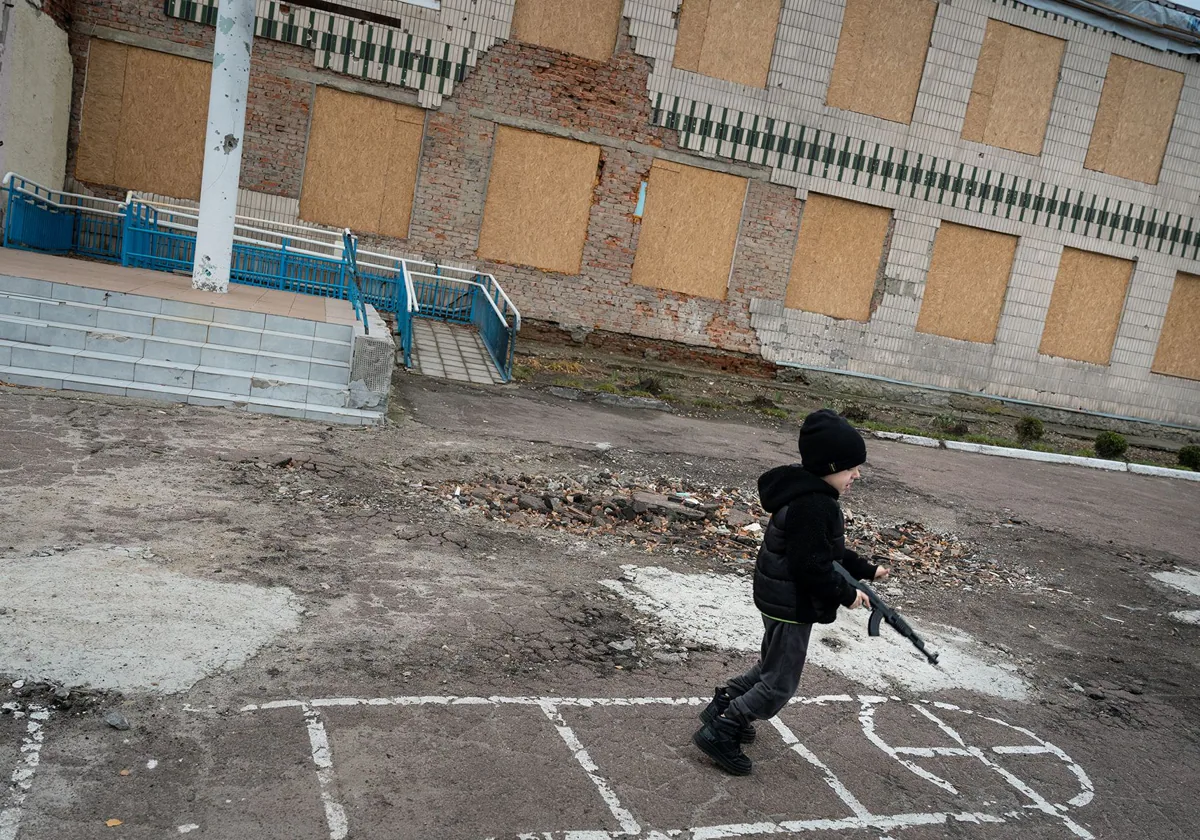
1189, 456
1030, 429
1111, 445
856, 413
651, 385
951, 425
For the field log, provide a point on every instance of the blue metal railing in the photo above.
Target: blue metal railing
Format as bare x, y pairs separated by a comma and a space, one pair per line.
37, 218
386, 286
465, 296
156, 235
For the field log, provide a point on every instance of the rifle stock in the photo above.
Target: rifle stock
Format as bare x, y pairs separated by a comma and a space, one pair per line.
880, 611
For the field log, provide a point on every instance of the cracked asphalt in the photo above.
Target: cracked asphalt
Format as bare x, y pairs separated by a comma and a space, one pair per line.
405, 600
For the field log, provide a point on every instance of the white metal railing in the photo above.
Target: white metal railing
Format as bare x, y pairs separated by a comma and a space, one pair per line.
78, 201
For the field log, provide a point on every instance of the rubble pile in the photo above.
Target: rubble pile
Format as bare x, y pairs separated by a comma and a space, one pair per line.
671, 515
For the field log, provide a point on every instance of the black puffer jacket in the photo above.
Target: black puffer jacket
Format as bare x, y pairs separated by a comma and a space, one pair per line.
794, 578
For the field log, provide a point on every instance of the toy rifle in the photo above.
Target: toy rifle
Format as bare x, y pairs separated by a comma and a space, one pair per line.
880, 611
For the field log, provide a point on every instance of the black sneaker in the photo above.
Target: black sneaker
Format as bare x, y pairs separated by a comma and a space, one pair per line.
717, 707
719, 741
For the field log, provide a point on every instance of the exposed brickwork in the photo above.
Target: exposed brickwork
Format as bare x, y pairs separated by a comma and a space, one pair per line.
518, 82
59, 11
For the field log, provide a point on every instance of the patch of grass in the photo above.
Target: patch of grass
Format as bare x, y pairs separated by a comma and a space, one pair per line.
876, 426
637, 393
950, 424
856, 413
777, 413
991, 440
569, 382
608, 388
522, 373
705, 402
652, 385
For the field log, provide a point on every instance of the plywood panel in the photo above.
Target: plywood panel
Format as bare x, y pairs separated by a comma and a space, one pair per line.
1178, 351
1133, 124
586, 28
361, 168
689, 41
1013, 116
689, 230
1085, 307
837, 257
880, 57
967, 280
164, 115
100, 127
538, 200
728, 39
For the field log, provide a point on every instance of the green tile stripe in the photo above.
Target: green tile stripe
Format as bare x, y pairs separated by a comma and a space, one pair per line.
422, 62
797, 148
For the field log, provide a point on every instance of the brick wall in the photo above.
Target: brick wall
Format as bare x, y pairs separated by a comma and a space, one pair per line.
613, 105
535, 88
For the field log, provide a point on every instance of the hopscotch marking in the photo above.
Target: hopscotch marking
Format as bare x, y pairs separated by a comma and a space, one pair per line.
861, 820
27, 764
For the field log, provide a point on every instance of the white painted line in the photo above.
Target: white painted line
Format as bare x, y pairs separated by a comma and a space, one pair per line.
1039, 802
835, 784
22, 775
624, 818
335, 814
866, 717
862, 819
1086, 790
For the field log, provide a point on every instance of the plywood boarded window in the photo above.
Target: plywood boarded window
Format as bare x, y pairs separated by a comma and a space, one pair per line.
880, 57
728, 39
361, 168
837, 258
1085, 307
1133, 124
1001, 113
967, 280
689, 230
144, 118
538, 200
586, 28
1179, 345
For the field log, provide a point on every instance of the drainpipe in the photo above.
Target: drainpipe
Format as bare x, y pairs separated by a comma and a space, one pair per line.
223, 145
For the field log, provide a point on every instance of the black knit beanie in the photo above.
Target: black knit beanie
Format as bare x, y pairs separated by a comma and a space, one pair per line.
829, 444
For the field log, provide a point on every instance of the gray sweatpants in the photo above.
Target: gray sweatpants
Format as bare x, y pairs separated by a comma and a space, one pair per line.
767, 687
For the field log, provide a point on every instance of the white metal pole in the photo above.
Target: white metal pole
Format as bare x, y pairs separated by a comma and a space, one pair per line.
223, 145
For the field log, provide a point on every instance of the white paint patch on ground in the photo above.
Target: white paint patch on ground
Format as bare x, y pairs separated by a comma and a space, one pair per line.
1188, 581
109, 618
718, 610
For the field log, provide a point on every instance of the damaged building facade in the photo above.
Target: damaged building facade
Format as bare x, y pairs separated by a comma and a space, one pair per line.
978, 195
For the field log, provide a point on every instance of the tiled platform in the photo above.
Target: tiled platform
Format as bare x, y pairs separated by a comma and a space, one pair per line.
449, 351
115, 278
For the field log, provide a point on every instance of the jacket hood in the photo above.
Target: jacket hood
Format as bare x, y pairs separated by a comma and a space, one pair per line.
779, 486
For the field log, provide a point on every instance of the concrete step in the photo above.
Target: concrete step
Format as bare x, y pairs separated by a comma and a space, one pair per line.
192, 396
210, 353
234, 329
136, 372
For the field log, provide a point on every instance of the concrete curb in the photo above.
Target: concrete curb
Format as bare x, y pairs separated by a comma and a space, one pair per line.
1033, 455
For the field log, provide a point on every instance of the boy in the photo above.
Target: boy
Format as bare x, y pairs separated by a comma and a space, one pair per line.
795, 583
